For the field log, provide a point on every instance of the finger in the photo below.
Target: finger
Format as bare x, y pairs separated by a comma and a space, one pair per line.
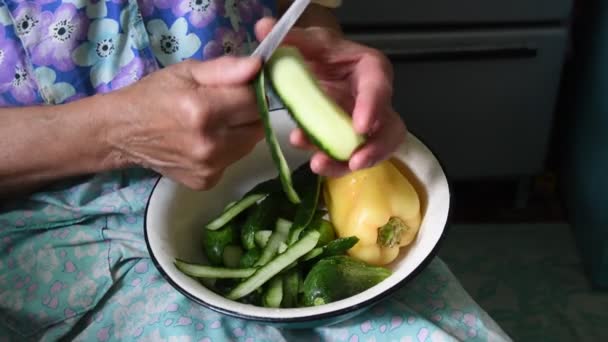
225, 70
322, 164
372, 79
381, 145
298, 138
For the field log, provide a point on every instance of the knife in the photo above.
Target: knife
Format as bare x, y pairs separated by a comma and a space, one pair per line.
280, 30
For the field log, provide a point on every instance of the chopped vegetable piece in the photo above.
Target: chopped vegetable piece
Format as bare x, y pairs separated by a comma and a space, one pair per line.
276, 265
204, 271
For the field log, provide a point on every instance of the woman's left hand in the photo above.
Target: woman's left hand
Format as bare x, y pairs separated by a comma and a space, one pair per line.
358, 78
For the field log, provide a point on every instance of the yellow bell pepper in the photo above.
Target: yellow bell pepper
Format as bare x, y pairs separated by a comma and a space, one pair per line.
379, 205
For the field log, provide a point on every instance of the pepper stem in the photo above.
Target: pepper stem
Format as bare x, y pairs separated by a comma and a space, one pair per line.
390, 234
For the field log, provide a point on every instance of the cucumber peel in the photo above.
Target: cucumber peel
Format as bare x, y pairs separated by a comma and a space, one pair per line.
271, 139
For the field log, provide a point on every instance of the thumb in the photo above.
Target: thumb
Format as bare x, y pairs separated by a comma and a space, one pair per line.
226, 70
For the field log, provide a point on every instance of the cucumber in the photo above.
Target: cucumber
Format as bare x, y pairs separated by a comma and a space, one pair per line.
215, 241
291, 285
204, 271
271, 139
276, 265
261, 217
280, 235
305, 211
232, 256
250, 257
274, 293
327, 125
232, 210
261, 237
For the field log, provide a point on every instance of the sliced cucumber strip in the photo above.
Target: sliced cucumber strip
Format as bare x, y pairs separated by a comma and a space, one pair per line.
262, 216
327, 125
274, 293
313, 254
282, 247
261, 237
291, 285
280, 235
231, 212
271, 140
204, 271
276, 265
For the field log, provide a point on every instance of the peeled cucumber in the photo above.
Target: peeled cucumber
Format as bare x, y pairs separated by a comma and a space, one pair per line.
325, 123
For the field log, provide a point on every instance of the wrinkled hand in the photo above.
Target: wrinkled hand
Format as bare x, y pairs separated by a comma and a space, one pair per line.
359, 79
191, 120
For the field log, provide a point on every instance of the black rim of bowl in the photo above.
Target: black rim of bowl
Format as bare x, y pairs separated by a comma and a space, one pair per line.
318, 317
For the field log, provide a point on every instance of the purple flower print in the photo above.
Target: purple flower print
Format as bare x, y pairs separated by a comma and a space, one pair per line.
28, 21
202, 12
129, 74
22, 87
226, 42
147, 6
8, 58
250, 10
60, 35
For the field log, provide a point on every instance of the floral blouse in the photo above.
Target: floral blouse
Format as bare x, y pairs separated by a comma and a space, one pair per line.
55, 51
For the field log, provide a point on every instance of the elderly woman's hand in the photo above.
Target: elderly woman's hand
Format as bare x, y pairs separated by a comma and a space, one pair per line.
190, 120
360, 79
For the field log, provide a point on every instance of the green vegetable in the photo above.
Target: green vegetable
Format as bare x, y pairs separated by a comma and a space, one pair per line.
204, 271
280, 235
276, 265
291, 284
338, 277
327, 125
232, 256
261, 217
214, 242
271, 139
274, 293
339, 246
250, 257
261, 237
233, 210
326, 229
305, 212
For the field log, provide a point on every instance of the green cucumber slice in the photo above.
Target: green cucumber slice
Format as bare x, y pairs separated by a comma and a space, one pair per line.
232, 211
274, 293
327, 125
276, 265
262, 216
280, 235
204, 271
261, 237
271, 140
291, 285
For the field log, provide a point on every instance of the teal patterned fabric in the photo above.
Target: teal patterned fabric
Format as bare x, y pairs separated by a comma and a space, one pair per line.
530, 278
73, 261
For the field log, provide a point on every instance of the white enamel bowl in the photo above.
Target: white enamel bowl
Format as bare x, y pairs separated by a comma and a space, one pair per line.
175, 216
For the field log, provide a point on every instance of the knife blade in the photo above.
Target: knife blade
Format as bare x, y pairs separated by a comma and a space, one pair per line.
270, 43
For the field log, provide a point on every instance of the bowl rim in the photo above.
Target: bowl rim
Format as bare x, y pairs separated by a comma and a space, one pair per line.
322, 315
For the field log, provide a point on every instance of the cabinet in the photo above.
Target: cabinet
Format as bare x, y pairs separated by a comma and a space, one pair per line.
476, 82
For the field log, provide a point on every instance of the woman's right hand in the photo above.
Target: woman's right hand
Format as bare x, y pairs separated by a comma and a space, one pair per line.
189, 121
